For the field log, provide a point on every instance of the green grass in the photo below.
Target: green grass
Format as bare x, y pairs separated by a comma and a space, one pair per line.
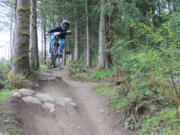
10, 126
43, 68
83, 75
159, 122
5, 66
118, 104
164, 122
4, 94
106, 90
1, 112
105, 74
112, 93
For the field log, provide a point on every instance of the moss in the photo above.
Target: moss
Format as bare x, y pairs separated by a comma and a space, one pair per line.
26, 8
22, 43
23, 32
18, 60
15, 77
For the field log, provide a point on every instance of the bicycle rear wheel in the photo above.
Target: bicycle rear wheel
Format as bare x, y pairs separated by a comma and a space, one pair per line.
53, 54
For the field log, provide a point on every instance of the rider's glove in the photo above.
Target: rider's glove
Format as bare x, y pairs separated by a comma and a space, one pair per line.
68, 32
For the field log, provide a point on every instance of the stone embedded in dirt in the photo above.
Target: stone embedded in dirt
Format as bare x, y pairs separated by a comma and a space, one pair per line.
63, 101
31, 99
45, 97
79, 127
49, 106
16, 94
101, 110
26, 92
73, 104
72, 125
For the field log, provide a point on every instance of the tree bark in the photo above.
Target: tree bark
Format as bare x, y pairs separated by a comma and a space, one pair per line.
21, 51
101, 57
76, 48
11, 37
42, 40
52, 14
88, 53
34, 58
44, 56
109, 40
14, 27
68, 49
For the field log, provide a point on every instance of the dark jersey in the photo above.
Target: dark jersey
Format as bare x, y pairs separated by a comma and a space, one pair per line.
62, 34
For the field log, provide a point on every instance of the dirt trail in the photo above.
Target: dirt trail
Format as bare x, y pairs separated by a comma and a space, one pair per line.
78, 109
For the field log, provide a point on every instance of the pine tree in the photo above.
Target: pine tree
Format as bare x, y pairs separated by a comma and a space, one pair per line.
101, 57
34, 58
21, 50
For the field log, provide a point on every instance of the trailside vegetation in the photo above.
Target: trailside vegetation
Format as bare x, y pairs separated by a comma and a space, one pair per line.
129, 50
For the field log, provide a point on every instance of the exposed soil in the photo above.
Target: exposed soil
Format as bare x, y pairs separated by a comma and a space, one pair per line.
86, 114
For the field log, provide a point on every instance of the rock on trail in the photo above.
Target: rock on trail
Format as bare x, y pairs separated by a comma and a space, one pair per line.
62, 106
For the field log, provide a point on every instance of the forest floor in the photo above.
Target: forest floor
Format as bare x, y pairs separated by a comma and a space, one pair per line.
60, 106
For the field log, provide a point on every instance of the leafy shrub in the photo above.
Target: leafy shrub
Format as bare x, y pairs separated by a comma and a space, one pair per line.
76, 67
164, 123
118, 104
18, 80
43, 67
4, 94
5, 66
105, 74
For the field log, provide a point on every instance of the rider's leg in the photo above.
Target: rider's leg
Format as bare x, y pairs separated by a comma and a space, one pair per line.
63, 43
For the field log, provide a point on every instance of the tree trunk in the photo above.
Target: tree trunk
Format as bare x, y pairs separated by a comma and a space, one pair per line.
34, 58
11, 37
76, 48
101, 57
88, 53
109, 40
42, 40
14, 27
52, 14
44, 29
21, 51
68, 47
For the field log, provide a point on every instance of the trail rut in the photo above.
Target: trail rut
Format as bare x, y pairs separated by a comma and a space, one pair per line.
79, 110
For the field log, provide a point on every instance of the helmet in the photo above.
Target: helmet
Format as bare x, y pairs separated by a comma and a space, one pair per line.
65, 24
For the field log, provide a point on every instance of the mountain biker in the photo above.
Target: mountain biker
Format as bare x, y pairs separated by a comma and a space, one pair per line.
62, 30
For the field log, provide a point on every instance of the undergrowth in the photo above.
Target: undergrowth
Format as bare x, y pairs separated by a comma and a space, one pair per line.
140, 100
102, 74
5, 66
43, 67
18, 81
4, 94
164, 122
145, 78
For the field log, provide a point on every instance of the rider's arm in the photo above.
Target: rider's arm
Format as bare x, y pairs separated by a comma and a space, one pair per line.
57, 29
67, 32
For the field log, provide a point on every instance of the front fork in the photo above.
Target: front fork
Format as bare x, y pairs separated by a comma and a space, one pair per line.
57, 49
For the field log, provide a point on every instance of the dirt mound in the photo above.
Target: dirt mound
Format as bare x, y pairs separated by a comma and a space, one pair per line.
61, 106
